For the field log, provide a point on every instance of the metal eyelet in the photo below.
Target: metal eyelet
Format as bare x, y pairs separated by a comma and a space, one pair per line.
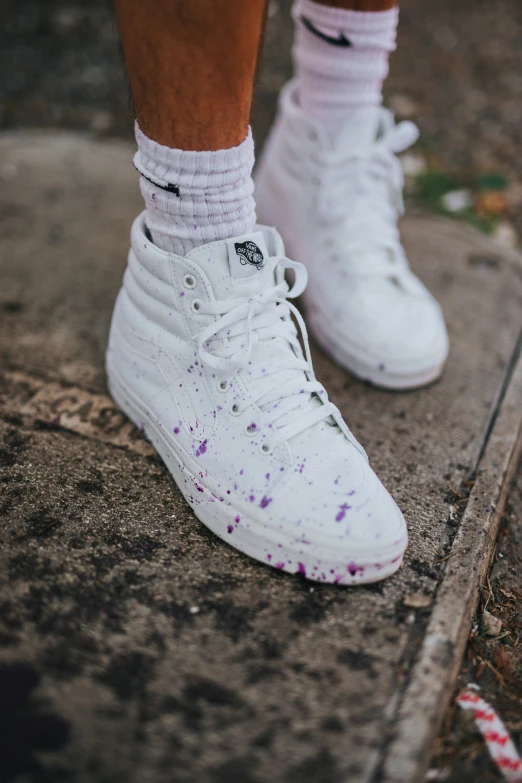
312, 135
223, 385
189, 281
265, 448
250, 429
235, 410
195, 306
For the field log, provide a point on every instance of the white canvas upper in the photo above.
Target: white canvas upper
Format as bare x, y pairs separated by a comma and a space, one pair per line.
204, 356
337, 207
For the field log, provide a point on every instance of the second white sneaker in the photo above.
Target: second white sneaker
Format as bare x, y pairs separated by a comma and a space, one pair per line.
337, 208
205, 358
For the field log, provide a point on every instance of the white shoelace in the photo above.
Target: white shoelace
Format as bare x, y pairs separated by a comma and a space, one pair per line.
290, 407
371, 181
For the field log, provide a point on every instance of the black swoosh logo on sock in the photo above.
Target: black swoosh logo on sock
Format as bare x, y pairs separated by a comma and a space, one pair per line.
341, 40
170, 188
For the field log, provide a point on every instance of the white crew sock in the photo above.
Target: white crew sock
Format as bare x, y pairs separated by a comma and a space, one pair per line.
195, 197
341, 61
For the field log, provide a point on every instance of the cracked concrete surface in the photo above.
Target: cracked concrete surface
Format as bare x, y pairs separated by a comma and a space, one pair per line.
137, 646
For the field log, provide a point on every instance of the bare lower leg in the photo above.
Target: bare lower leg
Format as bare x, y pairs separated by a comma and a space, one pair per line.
360, 5
191, 68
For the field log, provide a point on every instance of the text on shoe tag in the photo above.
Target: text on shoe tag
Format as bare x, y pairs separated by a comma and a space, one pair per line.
247, 255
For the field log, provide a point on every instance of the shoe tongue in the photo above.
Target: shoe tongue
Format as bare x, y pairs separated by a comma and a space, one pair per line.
233, 266
361, 129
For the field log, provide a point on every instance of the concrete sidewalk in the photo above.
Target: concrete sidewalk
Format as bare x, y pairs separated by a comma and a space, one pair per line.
143, 647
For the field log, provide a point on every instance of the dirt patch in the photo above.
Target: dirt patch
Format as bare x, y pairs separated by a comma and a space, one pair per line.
492, 662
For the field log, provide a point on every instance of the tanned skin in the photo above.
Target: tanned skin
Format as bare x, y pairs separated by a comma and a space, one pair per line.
192, 65
191, 68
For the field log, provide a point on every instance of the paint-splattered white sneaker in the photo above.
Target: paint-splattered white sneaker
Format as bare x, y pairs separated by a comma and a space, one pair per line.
337, 209
204, 357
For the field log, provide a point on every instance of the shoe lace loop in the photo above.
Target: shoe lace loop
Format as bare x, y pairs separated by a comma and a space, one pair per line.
246, 308
227, 345
372, 208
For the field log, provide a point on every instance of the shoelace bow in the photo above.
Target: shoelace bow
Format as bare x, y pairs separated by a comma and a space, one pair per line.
379, 208
265, 315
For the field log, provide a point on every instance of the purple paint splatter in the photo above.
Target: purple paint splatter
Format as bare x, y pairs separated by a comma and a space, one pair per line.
202, 448
342, 512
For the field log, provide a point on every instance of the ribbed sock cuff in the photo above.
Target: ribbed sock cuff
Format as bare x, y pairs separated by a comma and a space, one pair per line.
195, 197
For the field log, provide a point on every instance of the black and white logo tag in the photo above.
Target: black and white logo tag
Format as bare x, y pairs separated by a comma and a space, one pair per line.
247, 255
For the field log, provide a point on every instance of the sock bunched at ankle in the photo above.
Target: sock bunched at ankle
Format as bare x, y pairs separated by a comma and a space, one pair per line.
195, 197
341, 59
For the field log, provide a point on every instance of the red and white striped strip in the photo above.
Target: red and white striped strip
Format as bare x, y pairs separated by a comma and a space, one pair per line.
495, 734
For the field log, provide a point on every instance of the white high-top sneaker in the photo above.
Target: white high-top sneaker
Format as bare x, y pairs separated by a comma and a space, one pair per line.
337, 209
204, 357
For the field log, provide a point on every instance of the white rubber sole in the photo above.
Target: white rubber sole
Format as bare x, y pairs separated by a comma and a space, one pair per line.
237, 525
379, 376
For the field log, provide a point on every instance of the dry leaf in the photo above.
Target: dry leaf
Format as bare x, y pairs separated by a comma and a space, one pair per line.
417, 600
492, 625
491, 202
